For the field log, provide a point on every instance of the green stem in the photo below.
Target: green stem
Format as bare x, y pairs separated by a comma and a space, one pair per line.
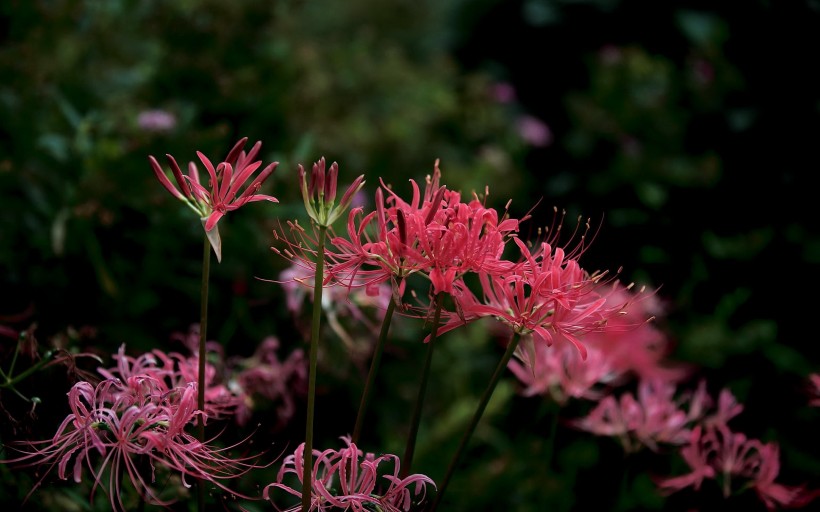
485, 399
20, 339
203, 335
11, 381
554, 410
409, 451
307, 473
374, 368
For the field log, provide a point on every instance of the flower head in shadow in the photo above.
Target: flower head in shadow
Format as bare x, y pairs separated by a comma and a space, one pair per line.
348, 479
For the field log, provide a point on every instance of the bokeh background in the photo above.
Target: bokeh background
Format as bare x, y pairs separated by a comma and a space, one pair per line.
686, 132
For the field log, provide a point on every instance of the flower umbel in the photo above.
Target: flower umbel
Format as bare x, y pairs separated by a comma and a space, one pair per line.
319, 193
347, 479
225, 180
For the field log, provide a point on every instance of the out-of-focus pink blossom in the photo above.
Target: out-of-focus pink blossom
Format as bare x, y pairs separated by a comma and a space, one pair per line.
533, 131
814, 389
156, 120
628, 345
736, 462
560, 372
348, 479
655, 416
264, 376
503, 92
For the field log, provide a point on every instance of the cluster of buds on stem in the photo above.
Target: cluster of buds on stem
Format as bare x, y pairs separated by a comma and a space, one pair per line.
320, 193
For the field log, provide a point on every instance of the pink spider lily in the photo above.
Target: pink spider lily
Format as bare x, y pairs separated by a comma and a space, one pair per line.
172, 371
225, 181
130, 429
655, 416
814, 389
739, 463
347, 479
559, 371
547, 294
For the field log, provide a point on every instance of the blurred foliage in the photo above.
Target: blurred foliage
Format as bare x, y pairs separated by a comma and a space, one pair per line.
688, 141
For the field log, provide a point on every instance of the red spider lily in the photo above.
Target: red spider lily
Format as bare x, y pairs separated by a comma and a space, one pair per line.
225, 180
547, 294
715, 452
347, 479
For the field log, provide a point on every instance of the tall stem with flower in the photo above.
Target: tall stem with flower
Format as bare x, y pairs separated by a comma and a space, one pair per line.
319, 195
225, 180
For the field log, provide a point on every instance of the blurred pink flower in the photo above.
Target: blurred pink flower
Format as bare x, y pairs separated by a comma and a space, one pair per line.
715, 452
814, 389
655, 416
503, 92
533, 131
156, 120
559, 371
347, 479
264, 375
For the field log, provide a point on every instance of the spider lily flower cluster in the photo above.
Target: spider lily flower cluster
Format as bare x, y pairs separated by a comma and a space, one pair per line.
134, 424
574, 334
439, 237
224, 180
714, 452
348, 479
319, 193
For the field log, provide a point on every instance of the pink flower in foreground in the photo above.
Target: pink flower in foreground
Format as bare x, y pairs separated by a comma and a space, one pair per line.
130, 429
715, 452
224, 182
347, 479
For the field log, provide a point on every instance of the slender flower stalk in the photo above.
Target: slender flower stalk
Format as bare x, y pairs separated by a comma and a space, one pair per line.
203, 336
319, 196
307, 482
482, 405
410, 449
225, 180
374, 369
